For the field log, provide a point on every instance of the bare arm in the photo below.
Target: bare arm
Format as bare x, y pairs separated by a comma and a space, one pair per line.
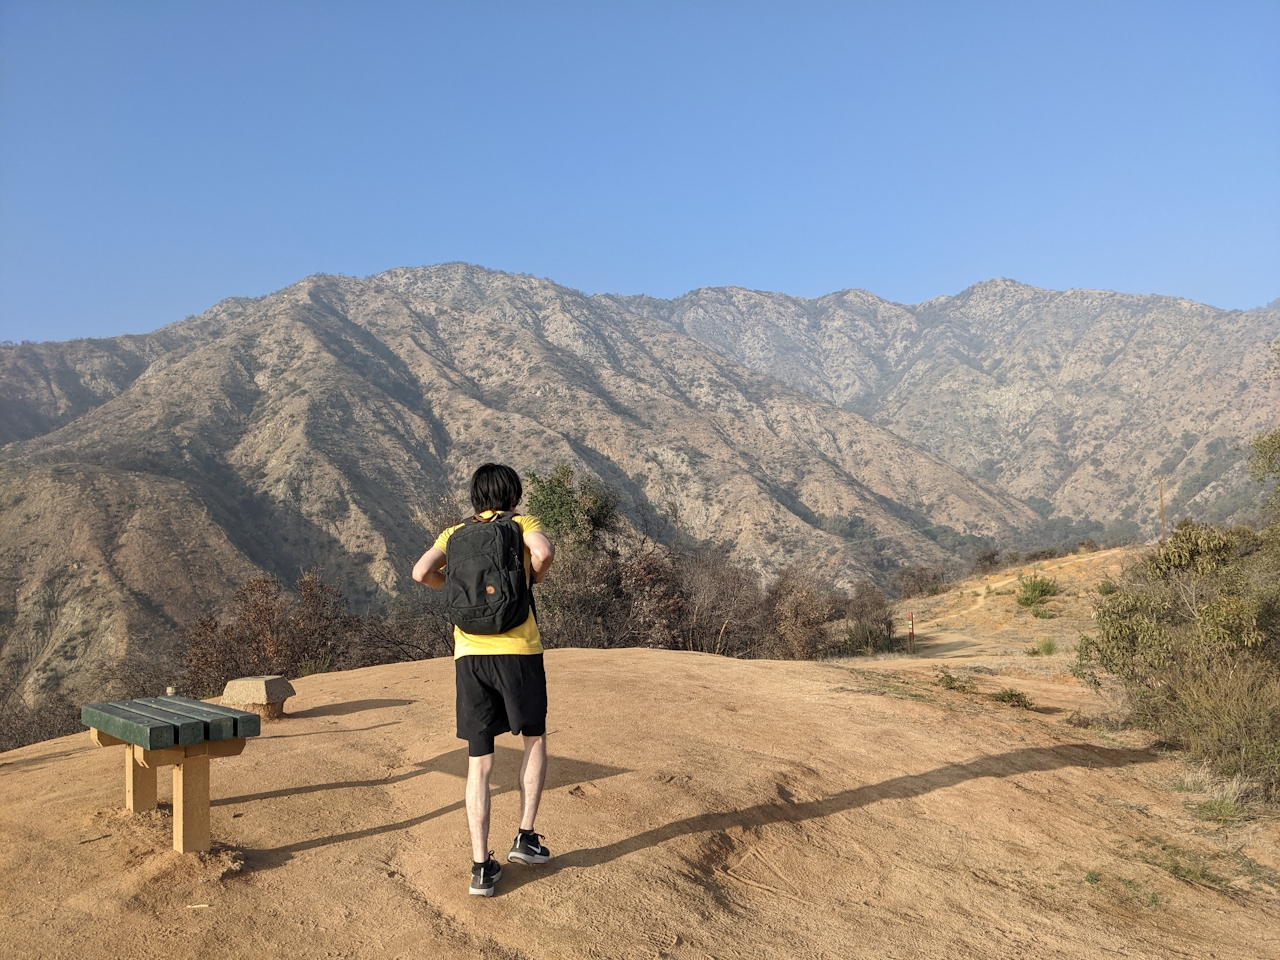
427, 569
541, 553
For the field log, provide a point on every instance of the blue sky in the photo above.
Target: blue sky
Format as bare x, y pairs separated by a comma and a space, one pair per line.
157, 157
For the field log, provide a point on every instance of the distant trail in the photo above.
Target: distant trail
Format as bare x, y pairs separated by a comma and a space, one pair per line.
1084, 558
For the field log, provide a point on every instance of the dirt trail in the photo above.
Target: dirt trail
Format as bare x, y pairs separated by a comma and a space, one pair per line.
697, 806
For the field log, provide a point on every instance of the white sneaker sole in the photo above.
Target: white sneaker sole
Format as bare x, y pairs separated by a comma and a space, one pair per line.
526, 858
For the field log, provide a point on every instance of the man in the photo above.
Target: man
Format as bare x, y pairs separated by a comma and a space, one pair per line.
501, 684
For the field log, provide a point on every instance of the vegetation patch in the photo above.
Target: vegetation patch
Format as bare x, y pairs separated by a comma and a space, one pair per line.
1193, 633
1184, 865
949, 681
1219, 809
1013, 697
883, 684
1217, 870
1034, 589
1133, 891
1043, 647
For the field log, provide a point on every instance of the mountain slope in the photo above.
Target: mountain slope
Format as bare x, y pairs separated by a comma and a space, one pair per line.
308, 427
1080, 397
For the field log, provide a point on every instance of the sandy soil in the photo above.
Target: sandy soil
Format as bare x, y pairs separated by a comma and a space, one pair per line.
697, 807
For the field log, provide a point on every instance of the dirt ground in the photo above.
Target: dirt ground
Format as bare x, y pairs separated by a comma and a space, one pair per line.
697, 807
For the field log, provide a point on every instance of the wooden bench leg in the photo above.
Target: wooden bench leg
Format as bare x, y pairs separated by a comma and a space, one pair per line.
139, 782
191, 805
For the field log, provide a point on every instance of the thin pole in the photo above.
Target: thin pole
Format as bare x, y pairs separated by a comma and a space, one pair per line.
1162, 536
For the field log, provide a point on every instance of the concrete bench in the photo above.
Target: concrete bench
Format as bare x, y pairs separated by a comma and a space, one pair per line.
177, 731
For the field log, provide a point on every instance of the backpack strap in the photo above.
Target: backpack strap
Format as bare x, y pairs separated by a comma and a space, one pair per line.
533, 604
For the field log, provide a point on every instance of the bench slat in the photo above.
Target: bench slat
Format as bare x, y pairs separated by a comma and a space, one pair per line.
145, 732
247, 724
190, 729
215, 727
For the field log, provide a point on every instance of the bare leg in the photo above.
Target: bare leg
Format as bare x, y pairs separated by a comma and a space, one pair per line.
478, 770
533, 774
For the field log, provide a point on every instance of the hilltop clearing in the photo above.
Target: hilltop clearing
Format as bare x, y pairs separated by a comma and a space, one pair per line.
697, 806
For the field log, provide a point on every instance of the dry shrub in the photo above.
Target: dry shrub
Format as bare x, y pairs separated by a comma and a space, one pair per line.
797, 605
869, 616
917, 581
610, 587
417, 627
136, 675
1039, 556
21, 722
271, 632
985, 561
652, 600
723, 603
1225, 713
580, 604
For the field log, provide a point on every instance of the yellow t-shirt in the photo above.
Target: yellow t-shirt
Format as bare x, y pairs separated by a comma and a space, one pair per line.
524, 639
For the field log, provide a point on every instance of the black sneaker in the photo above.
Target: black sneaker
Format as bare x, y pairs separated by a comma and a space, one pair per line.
528, 848
484, 876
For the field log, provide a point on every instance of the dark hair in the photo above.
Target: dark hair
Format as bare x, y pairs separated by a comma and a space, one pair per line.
495, 486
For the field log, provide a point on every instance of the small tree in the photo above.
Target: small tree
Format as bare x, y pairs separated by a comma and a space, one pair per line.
581, 604
796, 606
577, 512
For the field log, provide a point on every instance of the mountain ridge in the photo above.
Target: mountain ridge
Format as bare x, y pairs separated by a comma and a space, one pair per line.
305, 428
1026, 377
147, 476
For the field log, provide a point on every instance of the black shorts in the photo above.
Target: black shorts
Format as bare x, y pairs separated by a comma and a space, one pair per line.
500, 693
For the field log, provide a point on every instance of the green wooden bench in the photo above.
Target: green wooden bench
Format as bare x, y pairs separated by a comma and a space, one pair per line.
159, 731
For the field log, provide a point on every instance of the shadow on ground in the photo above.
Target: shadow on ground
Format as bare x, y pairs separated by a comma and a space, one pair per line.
561, 772
899, 788
351, 706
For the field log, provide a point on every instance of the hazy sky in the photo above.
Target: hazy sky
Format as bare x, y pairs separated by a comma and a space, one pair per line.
157, 157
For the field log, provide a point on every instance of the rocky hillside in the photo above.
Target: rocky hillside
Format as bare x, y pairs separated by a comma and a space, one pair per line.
148, 477
1081, 398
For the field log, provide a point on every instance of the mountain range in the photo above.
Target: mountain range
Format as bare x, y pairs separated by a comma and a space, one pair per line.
1076, 401
143, 478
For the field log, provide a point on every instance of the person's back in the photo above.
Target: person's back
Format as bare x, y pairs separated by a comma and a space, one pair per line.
501, 680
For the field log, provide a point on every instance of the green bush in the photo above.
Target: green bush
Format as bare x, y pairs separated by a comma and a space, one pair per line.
1035, 589
575, 511
1192, 631
949, 681
1013, 697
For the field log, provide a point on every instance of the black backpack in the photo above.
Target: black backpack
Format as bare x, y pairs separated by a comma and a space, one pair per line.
485, 588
